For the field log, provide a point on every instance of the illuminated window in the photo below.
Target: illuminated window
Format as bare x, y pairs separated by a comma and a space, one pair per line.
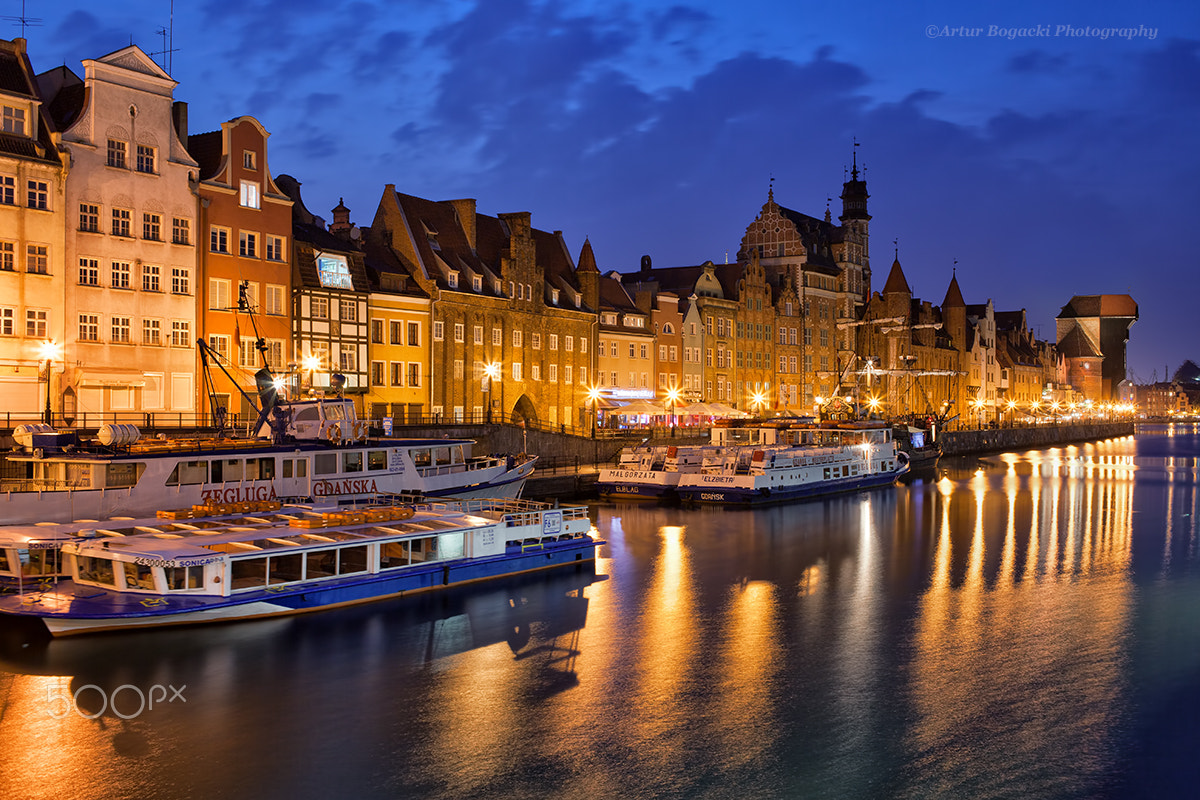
249, 194
181, 333
334, 273
35, 323
8, 321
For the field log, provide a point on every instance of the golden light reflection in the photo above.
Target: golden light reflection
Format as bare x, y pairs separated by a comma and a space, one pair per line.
750, 659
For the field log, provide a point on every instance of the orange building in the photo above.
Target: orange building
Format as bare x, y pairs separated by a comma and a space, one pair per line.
245, 282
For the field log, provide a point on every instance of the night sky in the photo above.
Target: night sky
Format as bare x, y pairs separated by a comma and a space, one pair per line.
1049, 148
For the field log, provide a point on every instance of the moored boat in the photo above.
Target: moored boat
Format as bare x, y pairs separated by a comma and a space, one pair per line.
324, 454
244, 561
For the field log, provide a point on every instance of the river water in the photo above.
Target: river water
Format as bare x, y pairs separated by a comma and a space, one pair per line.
1023, 625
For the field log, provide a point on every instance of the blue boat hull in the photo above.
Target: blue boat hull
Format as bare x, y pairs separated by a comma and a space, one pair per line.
728, 495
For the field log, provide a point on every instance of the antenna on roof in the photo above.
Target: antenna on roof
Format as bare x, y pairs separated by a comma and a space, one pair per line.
954, 268
24, 21
896, 243
168, 37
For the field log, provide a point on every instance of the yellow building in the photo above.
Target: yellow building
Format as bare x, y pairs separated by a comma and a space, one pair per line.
399, 328
32, 268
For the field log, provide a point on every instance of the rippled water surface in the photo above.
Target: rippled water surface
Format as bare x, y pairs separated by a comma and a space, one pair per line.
1023, 625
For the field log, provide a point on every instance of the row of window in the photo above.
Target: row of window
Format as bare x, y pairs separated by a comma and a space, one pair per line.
121, 224
36, 322
319, 307
396, 330
518, 338
274, 249
37, 257
37, 193
145, 157
221, 299
247, 353
398, 373
120, 331
120, 275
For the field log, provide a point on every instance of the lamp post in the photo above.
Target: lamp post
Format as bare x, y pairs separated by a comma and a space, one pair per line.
672, 402
491, 372
311, 365
593, 398
48, 351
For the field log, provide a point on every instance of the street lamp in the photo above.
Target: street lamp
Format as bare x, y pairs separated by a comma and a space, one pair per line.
672, 401
491, 372
873, 403
593, 397
48, 351
311, 365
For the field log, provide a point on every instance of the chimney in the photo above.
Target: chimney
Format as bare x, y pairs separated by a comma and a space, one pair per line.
179, 117
465, 209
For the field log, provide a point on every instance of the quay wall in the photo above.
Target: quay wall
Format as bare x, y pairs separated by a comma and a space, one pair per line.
962, 443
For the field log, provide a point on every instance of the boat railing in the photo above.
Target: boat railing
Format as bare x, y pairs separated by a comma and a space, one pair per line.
20, 485
513, 511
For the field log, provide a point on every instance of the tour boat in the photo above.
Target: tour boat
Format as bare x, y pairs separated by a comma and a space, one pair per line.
224, 562
652, 473
325, 453
819, 461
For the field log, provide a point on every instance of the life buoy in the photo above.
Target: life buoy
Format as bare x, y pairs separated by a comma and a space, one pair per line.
334, 434
360, 431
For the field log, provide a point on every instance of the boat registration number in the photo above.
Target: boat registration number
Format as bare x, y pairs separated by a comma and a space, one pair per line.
172, 563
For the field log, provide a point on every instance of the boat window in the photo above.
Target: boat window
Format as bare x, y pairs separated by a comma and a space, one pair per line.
248, 573
393, 554
287, 468
421, 458
376, 460
96, 570
457, 455
450, 545
425, 549
310, 414
44, 562
138, 576
325, 463
352, 560
352, 462
123, 475
321, 564
180, 578
226, 469
187, 473
260, 469
285, 569
442, 454
4, 561
79, 476
335, 411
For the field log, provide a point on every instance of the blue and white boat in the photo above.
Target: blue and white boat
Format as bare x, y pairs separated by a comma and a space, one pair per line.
265, 560
650, 473
823, 460
324, 455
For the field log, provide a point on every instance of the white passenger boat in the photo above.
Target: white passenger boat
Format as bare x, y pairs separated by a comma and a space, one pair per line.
250, 560
325, 453
649, 473
817, 461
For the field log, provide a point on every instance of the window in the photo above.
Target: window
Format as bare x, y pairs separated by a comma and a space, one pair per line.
275, 354
218, 294
180, 280
247, 356
181, 333
516, 371
552, 372
583, 375
150, 278
117, 154
249, 194
120, 274
397, 373
376, 331
8, 190
395, 332
377, 373
220, 345
567, 373
145, 159
275, 248
583, 345
516, 338
248, 244
452, 281
414, 374
152, 227
497, 337
414, 334
89, 272
89, 217
458, 369
249, 159
438, 330
13, 120
36, 321
477, 283
569, 343
181, 230
38, 194
120, 221
120, 330
334, 273
37, 259
89, 328
535, 372
458, 332
8, 321
218, 239
151, 332
274, 300
248, 296
535, 341
632, 350
320, 308
662, 352
554, 341
348, 310
477, 334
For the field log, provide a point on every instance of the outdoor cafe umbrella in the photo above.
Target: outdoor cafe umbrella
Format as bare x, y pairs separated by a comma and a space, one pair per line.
699, 410
722, 410
639, 407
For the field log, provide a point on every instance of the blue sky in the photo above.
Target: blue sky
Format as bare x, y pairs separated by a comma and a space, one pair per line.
1047, 157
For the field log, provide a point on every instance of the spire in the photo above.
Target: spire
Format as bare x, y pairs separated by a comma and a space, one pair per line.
771, 190
587, 259
896, 282
954, 298
854, 194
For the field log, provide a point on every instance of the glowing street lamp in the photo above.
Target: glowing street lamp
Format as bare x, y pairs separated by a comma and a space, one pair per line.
672, 402
48, 351
758, 401
593, 397
874, 404
491, 372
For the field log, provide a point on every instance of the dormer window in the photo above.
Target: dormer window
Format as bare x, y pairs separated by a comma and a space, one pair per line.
431, 236
497, 284
610, 319
477, 283
12, 120
453, 280
554, 296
